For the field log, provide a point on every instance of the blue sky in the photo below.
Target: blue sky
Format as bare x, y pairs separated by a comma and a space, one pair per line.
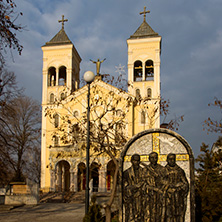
191, 59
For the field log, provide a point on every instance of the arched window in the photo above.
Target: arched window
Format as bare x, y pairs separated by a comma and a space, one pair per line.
143, 117
94, 174
52, 98
51, 76
110, 174
138, 71
56, 120
81, 176
62, 76
149, 70
149, 92
138, 94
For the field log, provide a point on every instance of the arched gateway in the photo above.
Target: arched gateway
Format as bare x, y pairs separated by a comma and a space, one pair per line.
81, 176
62, 170
157, 178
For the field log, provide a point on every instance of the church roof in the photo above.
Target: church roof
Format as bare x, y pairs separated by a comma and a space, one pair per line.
144, 31
59, 39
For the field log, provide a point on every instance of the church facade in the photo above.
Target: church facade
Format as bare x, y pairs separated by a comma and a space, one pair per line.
63, 156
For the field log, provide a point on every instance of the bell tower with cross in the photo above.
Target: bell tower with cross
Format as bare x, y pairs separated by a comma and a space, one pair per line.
144, 48
61, 68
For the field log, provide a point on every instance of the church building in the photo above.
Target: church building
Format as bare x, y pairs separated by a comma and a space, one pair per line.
64, 163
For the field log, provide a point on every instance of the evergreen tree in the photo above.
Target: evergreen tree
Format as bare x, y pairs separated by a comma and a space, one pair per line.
94, 214
209, 184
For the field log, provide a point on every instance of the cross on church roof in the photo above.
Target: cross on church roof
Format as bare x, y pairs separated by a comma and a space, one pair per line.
62, 21
144, 13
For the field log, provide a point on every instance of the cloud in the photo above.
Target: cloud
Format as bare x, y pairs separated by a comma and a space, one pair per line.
191, 48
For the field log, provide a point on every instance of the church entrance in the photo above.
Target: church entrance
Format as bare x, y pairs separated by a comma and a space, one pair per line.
110, 174
63, 176
81, 176
94, 171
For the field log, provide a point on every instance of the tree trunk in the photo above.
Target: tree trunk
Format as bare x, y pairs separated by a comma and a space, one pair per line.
110, 201
108, 213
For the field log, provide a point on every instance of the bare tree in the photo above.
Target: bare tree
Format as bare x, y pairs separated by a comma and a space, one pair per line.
8, 87
8, 29
212, 125
109, 111
19, 133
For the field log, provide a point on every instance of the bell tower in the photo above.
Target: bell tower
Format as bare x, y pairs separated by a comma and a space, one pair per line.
144, 48
61, 68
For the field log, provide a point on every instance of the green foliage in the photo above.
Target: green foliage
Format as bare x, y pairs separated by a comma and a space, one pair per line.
115, 217
94, 214
209, 185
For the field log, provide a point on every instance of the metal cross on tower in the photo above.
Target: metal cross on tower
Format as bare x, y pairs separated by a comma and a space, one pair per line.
144, 13
62, 21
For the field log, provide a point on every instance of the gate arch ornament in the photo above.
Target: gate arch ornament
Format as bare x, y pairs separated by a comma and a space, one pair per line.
157, 171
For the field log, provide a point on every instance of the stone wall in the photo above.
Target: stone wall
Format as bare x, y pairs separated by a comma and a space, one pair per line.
21, 199
22, 194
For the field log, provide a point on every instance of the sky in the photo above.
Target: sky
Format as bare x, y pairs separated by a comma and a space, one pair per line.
191, 56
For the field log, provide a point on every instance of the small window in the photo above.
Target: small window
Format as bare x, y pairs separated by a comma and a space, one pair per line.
143, 117
138, 96
56, 120
149, 92
52, 98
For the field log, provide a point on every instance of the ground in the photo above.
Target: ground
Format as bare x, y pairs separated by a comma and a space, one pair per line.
53, 207
45, 212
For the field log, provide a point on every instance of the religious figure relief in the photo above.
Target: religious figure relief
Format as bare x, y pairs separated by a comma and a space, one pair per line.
98, 64
154, 184
177, 190
132, 195
153, 192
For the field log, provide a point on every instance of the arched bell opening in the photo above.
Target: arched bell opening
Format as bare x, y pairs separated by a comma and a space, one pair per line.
138, 71
149, 70
62, 76
52, 76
